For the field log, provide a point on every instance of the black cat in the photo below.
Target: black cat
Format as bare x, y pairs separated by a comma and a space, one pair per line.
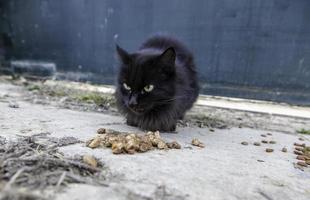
157, 84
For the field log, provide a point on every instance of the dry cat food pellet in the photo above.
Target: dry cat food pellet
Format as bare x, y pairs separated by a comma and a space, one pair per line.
300, 157
196, 142
94, 143
284, 149
272, 142
101, 131
173, 145
264, 141
303, 164
90, 160
299, 148
269, 150
244, 143
263, 135
300, 145
256, 143
298, 153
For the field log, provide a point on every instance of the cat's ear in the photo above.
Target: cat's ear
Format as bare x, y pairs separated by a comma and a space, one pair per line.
123, 55
168, 56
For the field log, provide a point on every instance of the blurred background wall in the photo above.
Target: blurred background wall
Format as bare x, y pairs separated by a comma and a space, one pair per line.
258, 49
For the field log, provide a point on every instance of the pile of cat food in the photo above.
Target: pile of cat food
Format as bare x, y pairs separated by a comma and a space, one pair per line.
303, 154
130, 143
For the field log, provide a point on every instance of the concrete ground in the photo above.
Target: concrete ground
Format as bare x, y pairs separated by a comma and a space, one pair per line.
224, 169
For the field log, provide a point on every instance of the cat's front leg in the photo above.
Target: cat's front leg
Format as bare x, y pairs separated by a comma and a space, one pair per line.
131, 121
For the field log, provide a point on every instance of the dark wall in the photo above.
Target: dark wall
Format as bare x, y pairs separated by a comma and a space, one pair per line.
244, 48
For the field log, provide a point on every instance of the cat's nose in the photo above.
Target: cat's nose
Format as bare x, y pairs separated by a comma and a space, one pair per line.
133, 101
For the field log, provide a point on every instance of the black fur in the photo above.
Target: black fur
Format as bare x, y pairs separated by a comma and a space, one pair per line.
168, 65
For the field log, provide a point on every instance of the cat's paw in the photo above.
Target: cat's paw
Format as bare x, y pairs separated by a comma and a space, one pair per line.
131, 123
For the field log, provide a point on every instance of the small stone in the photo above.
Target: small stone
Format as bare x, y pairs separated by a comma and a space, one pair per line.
264, 141
303, 164
196, 142
244, 143
268, 150
269, 134
90, 160
211, 130
284, 149
272, 142
101, 131
301, 139
263, 135
260, 161
13, 104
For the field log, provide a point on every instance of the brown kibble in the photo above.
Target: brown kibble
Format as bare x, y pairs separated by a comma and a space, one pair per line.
101, 131
269, 134
244, 143
117, 147
269, 150
300, 157
173, 145
300, 145
272, 142
303, 164
94, 143
196, 142
256, 143
284, 149
162, 145
298, 152
299, 148
264, 141
90, 160
263, 135
143, 147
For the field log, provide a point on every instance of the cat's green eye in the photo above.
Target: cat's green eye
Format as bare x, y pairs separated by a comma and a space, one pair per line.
148, 88
126, 86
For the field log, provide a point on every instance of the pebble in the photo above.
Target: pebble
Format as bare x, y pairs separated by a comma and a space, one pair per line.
284, 149
244, 143
13, 104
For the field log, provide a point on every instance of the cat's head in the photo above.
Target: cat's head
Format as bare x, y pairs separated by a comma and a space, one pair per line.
146, 79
